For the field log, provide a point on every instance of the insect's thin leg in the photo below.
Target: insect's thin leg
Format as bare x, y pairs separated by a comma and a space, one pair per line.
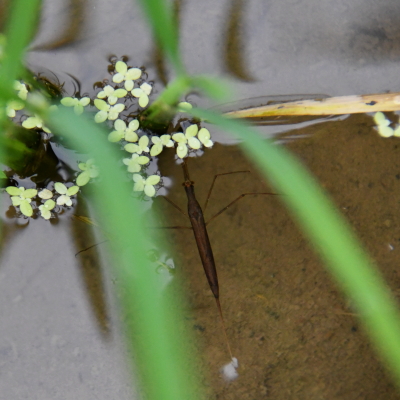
180, 210
234, 201
174, 205
213, 182
93, 245
223, 326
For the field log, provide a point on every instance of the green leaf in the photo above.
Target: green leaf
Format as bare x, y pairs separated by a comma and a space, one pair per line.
184, 106
115, 136
191, 130
100, 117
380, 119
50, 204
82, 166
149, 190
153, 180
142, 160
131, 148
26, 208
120, 93
60, 188
29, 193
68, 101
13, 191
101, 105
84, 101
83, 178
72, 190
19, 30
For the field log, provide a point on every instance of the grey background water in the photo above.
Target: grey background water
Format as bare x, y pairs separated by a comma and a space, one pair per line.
51, 342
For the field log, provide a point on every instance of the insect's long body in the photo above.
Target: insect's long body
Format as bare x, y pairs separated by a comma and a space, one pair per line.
203, 242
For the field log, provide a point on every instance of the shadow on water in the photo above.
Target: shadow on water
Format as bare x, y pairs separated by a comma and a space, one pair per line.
236, 63
90, 267
158, 56
76, 15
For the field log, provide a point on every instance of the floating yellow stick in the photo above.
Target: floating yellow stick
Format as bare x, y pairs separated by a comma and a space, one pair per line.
329, 106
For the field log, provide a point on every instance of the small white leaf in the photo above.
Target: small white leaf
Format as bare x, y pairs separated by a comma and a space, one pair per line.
146, 88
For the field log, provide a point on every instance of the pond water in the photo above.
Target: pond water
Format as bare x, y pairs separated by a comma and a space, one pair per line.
293, 333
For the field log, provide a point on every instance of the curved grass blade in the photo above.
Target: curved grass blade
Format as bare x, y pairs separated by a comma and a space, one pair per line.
162, 355
19, 30
162, 21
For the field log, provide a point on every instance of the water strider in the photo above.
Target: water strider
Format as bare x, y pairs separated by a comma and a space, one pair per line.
199, 227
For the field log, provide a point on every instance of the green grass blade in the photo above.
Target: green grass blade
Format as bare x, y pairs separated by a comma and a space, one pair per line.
162, 21
19, 30
329, 233
161, 350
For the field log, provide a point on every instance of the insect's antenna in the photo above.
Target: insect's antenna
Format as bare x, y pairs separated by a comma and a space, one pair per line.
223, 325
